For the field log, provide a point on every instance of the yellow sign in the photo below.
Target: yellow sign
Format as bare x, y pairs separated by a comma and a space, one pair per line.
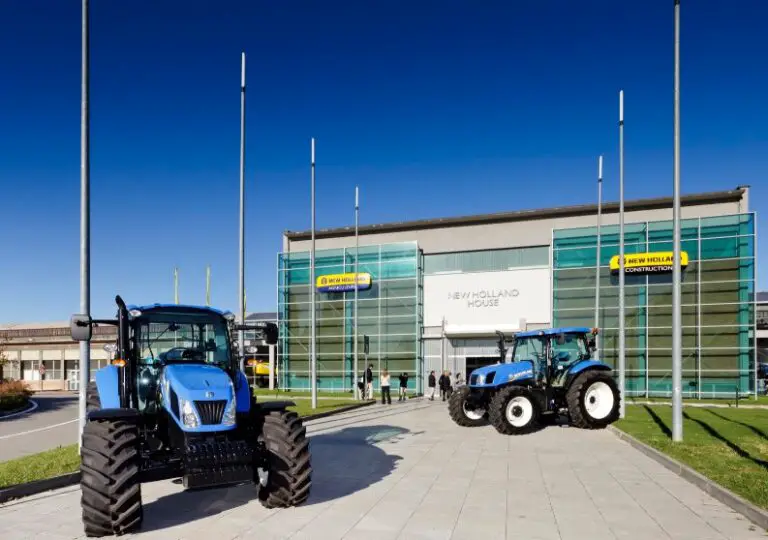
343, 282
648, 263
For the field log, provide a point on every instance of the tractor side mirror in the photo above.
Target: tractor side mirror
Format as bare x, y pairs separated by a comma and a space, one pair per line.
111, 348
80, 327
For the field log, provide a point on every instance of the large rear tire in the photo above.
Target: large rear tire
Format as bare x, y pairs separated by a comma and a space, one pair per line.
109, 481
462, 414
514, 411
289, 474
92, 399
593, 400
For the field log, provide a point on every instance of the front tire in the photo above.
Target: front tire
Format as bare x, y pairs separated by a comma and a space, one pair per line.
289, 475
462, 414
109, 481
593, 400
514, 411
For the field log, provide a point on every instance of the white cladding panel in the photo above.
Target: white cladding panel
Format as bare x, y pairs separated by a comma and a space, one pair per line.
484, 301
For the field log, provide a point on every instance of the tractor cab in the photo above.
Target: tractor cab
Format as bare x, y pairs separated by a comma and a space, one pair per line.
552, 352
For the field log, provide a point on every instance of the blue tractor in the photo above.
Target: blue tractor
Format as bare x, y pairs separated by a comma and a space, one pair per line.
551, 372
173, 403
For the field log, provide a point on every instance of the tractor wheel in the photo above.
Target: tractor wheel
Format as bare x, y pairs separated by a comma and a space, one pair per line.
289, 475
92, 399
593, 400
462, 414
514, 411
109, 481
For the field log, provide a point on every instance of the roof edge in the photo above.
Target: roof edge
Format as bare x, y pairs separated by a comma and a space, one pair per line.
522, 215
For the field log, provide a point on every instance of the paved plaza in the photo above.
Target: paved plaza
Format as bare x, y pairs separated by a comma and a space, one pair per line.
405, 471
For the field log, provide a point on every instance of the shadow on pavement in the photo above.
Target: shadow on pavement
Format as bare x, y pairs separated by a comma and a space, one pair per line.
46, 402
343, 462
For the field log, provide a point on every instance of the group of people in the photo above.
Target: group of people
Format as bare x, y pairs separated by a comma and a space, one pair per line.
366, 385
446, 383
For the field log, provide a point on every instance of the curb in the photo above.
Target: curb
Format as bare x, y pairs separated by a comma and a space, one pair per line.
31, 406
337, 411
39, 486
756, 515
700, 405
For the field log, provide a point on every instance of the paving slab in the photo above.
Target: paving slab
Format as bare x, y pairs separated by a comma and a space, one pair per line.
405, 471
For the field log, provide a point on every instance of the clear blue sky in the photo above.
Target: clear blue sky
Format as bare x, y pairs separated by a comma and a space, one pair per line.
434, 108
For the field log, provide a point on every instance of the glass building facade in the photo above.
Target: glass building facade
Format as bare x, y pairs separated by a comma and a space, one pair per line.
389, 314
718, 302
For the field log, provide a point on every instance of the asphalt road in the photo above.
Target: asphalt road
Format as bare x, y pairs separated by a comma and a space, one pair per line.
53, 424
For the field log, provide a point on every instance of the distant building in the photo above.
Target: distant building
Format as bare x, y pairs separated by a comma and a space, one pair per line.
32, 346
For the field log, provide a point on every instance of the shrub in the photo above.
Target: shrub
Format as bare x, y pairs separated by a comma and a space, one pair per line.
13, 395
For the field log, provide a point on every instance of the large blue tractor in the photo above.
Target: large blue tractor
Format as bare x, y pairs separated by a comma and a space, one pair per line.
551, 373
173, 403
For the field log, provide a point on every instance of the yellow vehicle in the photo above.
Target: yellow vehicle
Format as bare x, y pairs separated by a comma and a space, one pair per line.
261, 372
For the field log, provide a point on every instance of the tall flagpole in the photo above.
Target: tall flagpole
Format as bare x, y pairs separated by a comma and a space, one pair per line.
313, 344
176, 285
677, 356
622, 360
357, 267
85, 216
241, 333
208, 285
597, 257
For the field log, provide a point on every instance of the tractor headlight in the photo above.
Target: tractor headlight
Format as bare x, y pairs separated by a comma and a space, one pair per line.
481, 379
189, 416
229, 413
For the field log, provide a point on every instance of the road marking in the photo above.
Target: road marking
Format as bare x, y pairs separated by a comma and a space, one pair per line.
32, 408
38, 429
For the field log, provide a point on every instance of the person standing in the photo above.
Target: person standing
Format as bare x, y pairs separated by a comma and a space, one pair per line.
386, 397
431, 383
444, 383
403, 386
369, 381
459, 380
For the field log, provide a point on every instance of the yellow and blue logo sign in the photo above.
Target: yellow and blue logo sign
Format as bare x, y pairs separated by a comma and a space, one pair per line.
343, 282
648, 263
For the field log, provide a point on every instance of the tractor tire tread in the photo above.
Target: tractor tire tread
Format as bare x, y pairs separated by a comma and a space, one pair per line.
456, 409
497, 411
573, 399
92, 399
111, 491
290, 464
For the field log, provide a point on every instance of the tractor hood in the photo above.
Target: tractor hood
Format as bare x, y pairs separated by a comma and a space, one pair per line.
500, 374
199, 382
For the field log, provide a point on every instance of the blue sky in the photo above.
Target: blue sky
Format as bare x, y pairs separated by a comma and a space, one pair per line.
433, 108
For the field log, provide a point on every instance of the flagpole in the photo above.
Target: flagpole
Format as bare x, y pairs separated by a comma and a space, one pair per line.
176, 285
597, 258
357, 269
208, 286
622, 351
241, 333
313, 344
677, 355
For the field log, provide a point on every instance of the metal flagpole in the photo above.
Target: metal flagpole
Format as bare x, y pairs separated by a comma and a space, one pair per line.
313, 345
677, 357
85, 216
597, 258
357, 258
176, 285
208, 286
241, 333
622, 374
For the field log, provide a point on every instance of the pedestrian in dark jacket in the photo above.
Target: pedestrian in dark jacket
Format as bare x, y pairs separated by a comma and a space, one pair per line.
369, 381
445, 384
403, 386
431, 383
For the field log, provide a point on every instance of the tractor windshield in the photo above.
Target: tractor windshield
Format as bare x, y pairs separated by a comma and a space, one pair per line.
529, 348
567, 348
183, 338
